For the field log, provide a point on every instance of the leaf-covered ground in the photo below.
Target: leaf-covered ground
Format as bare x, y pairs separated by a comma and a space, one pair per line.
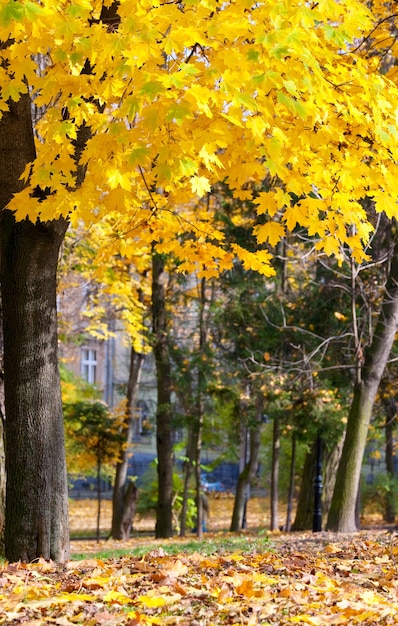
292, 579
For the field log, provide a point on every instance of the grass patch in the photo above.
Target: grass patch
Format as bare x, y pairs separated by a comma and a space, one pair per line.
207, 547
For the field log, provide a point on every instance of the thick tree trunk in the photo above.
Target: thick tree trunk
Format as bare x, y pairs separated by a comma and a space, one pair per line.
37, 495
120, 500
36, 521
2, 435
164, 417
342, 510
2, 486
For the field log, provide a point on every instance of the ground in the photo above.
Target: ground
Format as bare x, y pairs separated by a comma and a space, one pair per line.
253, 577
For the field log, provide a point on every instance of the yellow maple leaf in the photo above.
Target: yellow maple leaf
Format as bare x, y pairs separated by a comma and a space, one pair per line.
271, 231
200, 185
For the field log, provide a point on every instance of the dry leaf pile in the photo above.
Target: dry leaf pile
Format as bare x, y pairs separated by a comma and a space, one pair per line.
303, 579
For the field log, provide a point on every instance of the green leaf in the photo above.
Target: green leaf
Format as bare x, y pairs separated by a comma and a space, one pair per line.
32, 10
12, 11
178, 112
137, 155
152, 88
253, 55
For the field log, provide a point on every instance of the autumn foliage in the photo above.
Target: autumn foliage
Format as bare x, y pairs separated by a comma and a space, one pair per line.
293, 580
172, 97
141, 107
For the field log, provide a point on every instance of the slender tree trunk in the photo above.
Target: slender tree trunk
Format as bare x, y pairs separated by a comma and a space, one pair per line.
276, 444
389, 512
199, 494
164, 417
188, 467
290, 494
305, 504
201, 382
98, 533
129, 507
239, 502
119, 501
196, 417
342, 510
332, 459
246, 477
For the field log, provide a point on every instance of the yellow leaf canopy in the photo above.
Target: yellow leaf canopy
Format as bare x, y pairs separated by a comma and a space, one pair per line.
181, 95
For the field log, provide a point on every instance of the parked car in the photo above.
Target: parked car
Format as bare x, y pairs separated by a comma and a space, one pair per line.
212, 486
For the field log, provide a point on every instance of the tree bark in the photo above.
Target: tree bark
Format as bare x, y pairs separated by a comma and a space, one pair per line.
246, 477
37, 496
2, 435
164, 418
119, 499
290, 494
199, 417
188, 468
332, 459
390, 412
36, 521
342, 510
305, 504
129, 507
98, 529
276, 445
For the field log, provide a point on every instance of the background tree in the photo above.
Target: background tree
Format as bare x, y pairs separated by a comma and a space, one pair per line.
116, 293
95, 436
164, 416
342, 509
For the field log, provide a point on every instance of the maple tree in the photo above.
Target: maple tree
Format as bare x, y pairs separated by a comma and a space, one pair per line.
139, 107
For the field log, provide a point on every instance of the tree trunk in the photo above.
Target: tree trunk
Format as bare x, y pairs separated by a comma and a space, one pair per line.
2, 434
245, 478
198, 426
164, 418
2, 480
36, 521
332, 459
290, 494
188, 467
389, 511
276, 444
119, 499
305, 504
37, 495
342, 510
129, 507
98, 531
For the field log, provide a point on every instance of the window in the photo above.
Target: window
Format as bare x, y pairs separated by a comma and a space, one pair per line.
89, 365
